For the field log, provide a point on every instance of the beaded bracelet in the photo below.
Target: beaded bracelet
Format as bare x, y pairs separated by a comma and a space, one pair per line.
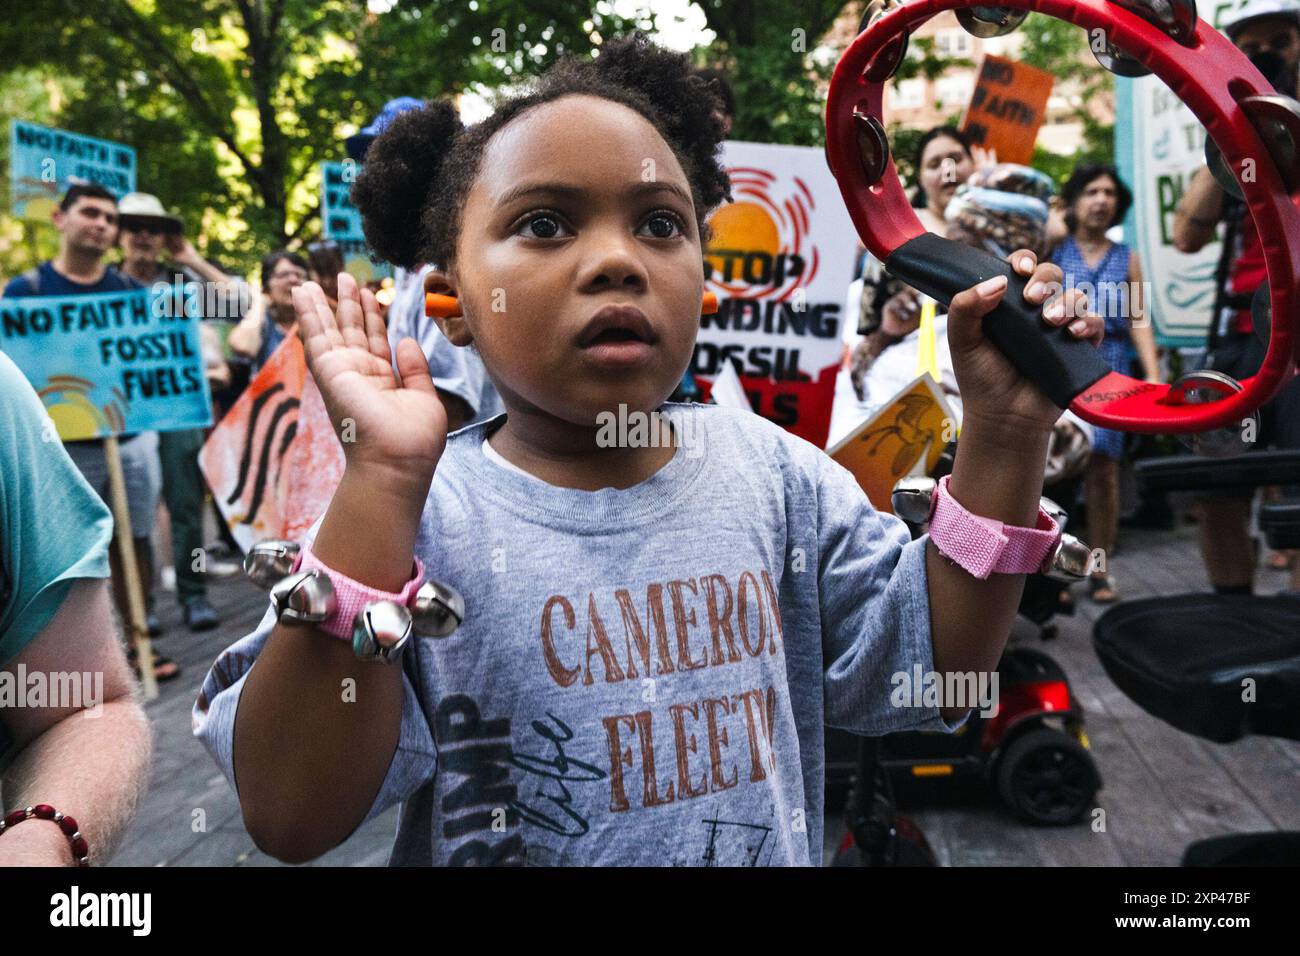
43, 811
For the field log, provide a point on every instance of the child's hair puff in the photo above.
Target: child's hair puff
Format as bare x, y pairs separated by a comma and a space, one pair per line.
419, 171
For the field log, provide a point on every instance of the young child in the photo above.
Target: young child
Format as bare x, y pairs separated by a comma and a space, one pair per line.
656, 632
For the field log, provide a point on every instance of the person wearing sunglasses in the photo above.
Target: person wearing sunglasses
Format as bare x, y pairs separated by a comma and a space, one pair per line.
148, 234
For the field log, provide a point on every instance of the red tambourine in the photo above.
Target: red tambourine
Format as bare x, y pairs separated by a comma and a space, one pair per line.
1250, 127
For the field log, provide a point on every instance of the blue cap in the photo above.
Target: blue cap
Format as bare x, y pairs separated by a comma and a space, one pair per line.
357, 144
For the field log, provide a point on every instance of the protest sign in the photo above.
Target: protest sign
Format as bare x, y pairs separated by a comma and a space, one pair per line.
111, 363
44, 162
781, 257
1159, 145
274, 461
909, 434
1007, 108
342, 221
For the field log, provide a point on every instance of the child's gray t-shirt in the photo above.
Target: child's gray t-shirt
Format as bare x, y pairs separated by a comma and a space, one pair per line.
643, 676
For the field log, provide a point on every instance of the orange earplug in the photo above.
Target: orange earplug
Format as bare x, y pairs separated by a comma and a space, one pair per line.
442, 306
710, 304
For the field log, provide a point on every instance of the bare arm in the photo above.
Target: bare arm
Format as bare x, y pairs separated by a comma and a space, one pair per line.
999, 475
91, 762
1144, 336
310, 760
998, 471
186, 255
1057, 230
246, 337
899, 316
1198, 212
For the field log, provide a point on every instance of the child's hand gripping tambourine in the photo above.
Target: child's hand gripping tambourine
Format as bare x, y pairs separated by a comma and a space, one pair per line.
1253, 132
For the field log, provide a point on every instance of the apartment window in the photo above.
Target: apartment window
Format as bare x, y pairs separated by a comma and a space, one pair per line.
952, 42
909, 94
952, 89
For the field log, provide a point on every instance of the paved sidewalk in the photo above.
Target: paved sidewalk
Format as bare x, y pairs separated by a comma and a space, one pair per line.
1164, 789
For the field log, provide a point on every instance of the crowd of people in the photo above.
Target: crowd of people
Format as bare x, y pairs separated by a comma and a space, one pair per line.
530, 465
963, 193
110, 245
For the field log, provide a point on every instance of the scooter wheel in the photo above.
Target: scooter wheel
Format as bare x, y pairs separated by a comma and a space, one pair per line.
1047, 777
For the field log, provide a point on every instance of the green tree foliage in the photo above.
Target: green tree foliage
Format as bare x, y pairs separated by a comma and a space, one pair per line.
232, 104
769, 48
1062, 49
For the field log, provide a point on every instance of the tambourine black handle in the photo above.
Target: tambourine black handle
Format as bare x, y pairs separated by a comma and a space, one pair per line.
1049, 356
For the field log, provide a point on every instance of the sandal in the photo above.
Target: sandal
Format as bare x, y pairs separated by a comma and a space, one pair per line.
1101, 589
164, 668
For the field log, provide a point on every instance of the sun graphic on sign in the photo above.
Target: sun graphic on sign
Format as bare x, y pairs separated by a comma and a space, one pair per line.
760, 246
75, 417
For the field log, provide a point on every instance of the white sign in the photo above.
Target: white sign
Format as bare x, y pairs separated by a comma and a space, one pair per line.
1159, 145
780, 261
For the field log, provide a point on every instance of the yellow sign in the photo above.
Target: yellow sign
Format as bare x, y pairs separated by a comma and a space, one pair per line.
911, 430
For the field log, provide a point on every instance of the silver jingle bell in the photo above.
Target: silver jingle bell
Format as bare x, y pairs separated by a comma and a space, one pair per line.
1220, 171
885, 63
1071, 560
1120, 63
913, 499
873, 146
1208, 385
303, 598
1176, 17
380, 632
269, 561
986, 22
439, 609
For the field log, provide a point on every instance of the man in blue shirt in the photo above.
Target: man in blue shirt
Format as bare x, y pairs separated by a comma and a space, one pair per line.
87, 221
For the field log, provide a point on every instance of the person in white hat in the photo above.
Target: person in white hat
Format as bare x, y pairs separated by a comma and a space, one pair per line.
147, 230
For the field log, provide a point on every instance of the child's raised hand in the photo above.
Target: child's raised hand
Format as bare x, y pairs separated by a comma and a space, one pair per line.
391, 426
991, 388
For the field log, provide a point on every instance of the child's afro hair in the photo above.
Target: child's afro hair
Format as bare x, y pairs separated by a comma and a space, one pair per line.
418, 171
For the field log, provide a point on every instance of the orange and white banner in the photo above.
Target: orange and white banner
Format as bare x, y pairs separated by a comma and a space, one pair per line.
780, 262
274, 461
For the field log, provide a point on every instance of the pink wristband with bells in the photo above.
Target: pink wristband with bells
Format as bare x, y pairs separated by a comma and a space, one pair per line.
985, 546
351, 596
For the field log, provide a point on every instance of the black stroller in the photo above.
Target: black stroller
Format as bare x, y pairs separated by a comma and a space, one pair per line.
1217, 666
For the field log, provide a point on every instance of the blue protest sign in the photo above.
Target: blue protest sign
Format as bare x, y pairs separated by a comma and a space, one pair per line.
341, 219
111, 363
44, 162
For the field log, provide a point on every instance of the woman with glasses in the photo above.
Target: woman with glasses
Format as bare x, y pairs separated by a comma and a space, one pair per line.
272, 318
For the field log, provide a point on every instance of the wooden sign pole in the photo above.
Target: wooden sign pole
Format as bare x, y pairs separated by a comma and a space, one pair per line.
136, 627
